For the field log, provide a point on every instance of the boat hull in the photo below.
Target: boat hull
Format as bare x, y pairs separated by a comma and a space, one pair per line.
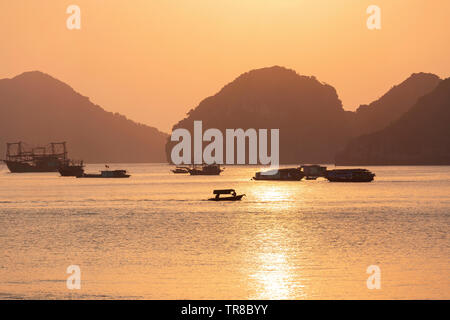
24, 167
232, 198
350, 175
196, 172
288, 174
180, 171
71, 171
361, 179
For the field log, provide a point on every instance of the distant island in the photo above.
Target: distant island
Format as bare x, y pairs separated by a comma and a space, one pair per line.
37, 109
421, 136
314, 126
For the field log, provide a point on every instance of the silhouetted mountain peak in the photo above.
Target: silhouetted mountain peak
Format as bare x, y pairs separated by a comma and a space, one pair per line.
394, 103
276, 78
270, 93
277, 97
38, 78
420, 136
37, 108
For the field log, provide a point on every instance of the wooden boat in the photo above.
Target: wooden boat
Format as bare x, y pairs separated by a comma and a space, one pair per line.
286, 174
205, 170
349, 175
71, 168
20, 159
233, 197
106, 174
179, 170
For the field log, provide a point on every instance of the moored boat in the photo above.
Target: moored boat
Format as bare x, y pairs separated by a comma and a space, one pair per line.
179, 170
38, 159
349, 175
71, 169
285, 174
106, 174
205, 170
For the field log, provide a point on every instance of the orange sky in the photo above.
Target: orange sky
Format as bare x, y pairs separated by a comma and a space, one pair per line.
153, 60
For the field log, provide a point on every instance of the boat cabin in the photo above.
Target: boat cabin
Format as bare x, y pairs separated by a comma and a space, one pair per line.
232, 192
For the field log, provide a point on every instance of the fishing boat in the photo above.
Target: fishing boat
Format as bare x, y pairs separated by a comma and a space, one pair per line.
233, 197
20, 159
179, 170
71, 168
106, 174
349, 175
205, 170
285, 174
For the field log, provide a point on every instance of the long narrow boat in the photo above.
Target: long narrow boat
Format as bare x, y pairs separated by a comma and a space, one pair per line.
286, 174
179, 170
106, 174
233, 197
350, 175
205, 170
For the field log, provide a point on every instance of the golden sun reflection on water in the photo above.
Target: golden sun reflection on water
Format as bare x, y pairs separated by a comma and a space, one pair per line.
275, 274
275, 277
275, 197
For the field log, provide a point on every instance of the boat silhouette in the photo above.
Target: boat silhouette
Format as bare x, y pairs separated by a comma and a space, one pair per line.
233, 197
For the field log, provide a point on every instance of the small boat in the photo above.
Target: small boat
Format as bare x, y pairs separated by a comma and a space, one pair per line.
71, 168
286, 174
106, 174
233, 197
349, 175
180, 170
205, 170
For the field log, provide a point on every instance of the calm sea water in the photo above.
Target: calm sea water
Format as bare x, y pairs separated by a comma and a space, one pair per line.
154, 236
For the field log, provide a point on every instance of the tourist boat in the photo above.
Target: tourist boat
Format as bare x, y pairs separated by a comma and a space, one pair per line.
349, 175
233, 197
39, 159
286, 174
180, 170
205, 170
71, 168
106, 174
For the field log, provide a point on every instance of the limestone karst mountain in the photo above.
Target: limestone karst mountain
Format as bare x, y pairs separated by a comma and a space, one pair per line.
38, 109
420, 137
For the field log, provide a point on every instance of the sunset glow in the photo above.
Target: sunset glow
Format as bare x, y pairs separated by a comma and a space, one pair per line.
164, 57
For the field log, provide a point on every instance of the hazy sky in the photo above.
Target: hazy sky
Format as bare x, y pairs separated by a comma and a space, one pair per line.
153, 60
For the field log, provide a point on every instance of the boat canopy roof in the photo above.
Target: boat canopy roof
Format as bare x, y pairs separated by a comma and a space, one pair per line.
224, 191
